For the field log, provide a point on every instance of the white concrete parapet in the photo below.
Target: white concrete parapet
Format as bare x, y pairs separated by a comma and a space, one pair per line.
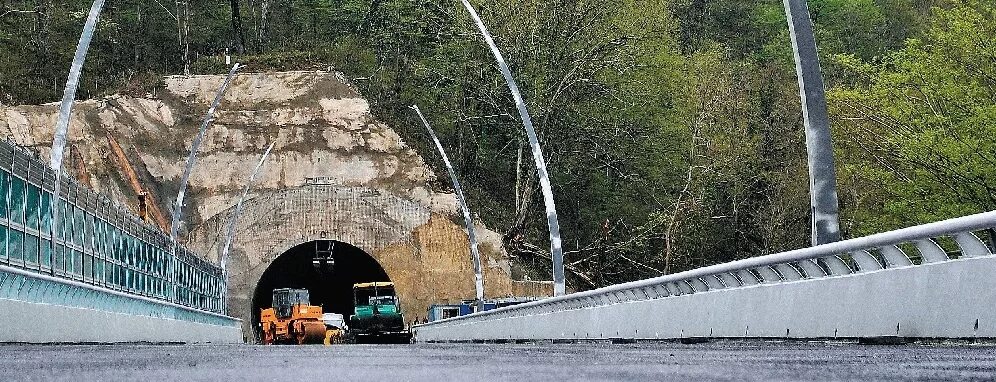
934, 280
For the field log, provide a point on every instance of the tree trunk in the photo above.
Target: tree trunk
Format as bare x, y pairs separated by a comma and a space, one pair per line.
264, 6
238, 37
186, 37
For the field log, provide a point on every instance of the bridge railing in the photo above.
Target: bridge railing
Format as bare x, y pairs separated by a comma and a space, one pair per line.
98, 243
964, 237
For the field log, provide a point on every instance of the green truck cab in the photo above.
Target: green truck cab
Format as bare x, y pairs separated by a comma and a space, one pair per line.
376, 314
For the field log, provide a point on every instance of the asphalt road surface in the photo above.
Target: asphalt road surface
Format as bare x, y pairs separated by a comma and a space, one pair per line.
726, 360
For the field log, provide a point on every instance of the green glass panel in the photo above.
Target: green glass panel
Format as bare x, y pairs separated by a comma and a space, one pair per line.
46, 254
30, 249
17, 200
111, 237
98, 239
46, 211
15, 245
71, 267
67, 259
78, 226
31, 209
124, 249
90, 238
129, 251
120, 252
77, 260
65, 224
144, 260
109, 272
88, 266
4, 192
60, 261
3, 244
98, 270
102, 271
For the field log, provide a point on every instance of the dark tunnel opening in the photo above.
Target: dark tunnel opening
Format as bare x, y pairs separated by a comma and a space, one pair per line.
332, 291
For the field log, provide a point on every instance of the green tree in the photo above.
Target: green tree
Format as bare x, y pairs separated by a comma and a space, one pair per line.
919, 136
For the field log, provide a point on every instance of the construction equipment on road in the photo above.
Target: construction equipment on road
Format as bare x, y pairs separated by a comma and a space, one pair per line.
292, 319
335, 328
377, 315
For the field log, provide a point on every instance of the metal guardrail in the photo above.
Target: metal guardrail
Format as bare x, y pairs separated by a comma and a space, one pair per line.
98, 242
24, 285
964, 237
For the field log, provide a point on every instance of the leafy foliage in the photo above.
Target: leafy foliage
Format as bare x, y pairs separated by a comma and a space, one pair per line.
672, 127
920, 132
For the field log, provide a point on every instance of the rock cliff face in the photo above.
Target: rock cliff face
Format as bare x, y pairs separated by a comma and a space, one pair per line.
321, 126
322, 129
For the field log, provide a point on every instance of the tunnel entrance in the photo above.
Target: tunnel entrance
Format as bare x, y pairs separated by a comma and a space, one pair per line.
331, 290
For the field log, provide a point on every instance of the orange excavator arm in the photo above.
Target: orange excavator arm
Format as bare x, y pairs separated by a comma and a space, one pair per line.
148, 207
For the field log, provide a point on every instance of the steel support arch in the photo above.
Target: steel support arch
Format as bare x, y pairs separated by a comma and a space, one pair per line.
65, 112
819, 147
234, 220
471, 235
556, 247
191, 160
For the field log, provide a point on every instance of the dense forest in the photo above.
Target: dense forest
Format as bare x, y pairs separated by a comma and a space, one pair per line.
672, 128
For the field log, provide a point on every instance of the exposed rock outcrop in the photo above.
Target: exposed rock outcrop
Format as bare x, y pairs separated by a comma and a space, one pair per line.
323, 129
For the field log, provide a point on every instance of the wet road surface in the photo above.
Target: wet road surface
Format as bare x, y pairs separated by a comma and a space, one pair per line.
720, 360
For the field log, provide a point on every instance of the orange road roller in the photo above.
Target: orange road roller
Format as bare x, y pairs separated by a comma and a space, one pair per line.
292, 319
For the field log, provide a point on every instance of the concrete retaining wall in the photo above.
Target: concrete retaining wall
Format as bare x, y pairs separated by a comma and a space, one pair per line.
951, 299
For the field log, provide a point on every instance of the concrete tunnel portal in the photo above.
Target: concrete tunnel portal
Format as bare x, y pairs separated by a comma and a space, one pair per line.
378, 236
333, 291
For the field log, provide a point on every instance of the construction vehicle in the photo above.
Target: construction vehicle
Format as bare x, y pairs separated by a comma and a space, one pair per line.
438, 312
377, 314
335, 328
292, 319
